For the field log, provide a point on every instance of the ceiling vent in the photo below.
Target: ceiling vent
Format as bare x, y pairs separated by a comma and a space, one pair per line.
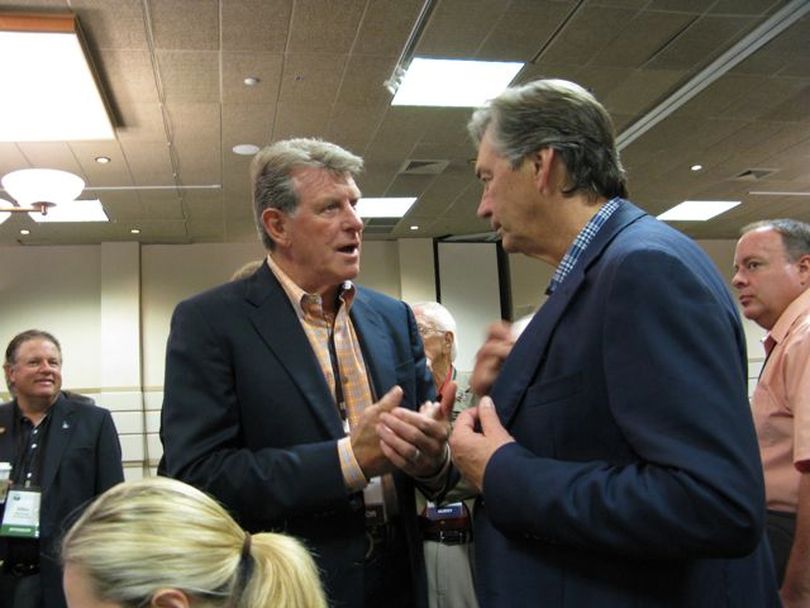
380, 225
753, 175
423, 166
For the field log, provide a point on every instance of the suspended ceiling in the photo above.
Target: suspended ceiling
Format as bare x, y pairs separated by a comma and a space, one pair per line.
173, 73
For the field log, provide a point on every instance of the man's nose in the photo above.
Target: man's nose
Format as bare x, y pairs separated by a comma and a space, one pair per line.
484, 208
353, 220
737, 280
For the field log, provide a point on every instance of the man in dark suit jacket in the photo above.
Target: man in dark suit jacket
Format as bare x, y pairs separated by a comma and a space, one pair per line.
279, 397
63, 447
616, 457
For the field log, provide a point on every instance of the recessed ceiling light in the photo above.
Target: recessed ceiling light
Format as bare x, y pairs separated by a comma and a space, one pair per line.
103, 160
55, 95
697, 211
135, 231
696, 167
245, 149
74, 211
384, 206
251, 81
25, 232
414, 227
459, 83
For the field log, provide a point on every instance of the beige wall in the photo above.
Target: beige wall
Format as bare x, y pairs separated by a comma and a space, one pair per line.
110, 307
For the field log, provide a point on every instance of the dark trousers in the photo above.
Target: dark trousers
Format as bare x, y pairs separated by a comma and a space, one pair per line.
780, 528
387, 573
20, 591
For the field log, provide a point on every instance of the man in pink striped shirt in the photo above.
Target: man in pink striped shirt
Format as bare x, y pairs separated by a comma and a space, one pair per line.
772, 274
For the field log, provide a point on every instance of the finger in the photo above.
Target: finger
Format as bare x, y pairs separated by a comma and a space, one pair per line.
396, 459
467, 419
391, 399
414, 426
490, 423
405, 450
500, 330
448, 399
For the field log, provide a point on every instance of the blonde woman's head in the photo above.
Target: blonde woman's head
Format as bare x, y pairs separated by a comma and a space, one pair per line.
160, 542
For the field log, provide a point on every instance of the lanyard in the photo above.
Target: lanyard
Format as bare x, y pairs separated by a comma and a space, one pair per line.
341, 402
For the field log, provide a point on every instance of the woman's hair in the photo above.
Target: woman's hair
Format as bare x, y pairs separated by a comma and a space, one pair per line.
158, 533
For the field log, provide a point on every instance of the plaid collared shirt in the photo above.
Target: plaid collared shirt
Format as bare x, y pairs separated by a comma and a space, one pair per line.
580, 244
320, 329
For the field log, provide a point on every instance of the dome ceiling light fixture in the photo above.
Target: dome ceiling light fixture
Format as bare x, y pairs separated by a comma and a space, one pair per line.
37, 191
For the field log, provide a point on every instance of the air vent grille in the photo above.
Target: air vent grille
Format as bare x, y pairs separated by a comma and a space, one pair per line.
423, 166
753, 175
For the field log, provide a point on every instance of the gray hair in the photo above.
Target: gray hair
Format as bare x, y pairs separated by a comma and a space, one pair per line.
434, 318
561, 115
271, 168
795, 235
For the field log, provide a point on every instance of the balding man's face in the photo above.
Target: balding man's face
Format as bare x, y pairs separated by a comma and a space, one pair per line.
37, 371
766, 279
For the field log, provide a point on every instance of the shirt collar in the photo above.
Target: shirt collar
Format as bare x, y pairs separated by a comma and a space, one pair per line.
305, 303
581, 243
795, 309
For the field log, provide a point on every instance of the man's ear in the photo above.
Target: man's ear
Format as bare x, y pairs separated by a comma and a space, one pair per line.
803, 266
542, 162
169, 598
447, 341
274, 222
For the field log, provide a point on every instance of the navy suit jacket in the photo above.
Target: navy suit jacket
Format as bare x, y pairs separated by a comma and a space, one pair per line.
248, 417
635, 477
82, 460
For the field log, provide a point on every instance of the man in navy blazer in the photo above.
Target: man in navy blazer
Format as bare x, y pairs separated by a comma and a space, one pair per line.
60, 445
616, 458
258, 394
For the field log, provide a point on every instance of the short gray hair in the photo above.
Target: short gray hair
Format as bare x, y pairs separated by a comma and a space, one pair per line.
434, 317
271, 168
556, 114
795, 235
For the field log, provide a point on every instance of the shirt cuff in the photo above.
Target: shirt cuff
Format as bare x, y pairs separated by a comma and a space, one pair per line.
437, 482
352, 473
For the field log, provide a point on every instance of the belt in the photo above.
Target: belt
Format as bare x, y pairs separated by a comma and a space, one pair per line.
448, 537
453, 531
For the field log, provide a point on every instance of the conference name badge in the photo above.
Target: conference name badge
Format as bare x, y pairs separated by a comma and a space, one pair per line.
21, 517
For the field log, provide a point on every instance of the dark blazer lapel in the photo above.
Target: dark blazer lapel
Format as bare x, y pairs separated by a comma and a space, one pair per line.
375, 342
276, 322
59, 434
7, 446
528, 352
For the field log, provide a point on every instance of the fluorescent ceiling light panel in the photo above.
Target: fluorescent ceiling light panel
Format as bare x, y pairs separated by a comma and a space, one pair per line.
49, 88
384, 207
697, 211
453, 82
74, 211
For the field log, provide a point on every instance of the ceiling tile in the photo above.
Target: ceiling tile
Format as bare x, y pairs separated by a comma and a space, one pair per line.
238, 66
189, 25
255, 25
457, 28
706, 38
189, 75
336, 22
386, 26
311, 79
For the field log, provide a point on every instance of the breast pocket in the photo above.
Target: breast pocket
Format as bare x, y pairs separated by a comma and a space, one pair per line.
546, 392
542, 422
